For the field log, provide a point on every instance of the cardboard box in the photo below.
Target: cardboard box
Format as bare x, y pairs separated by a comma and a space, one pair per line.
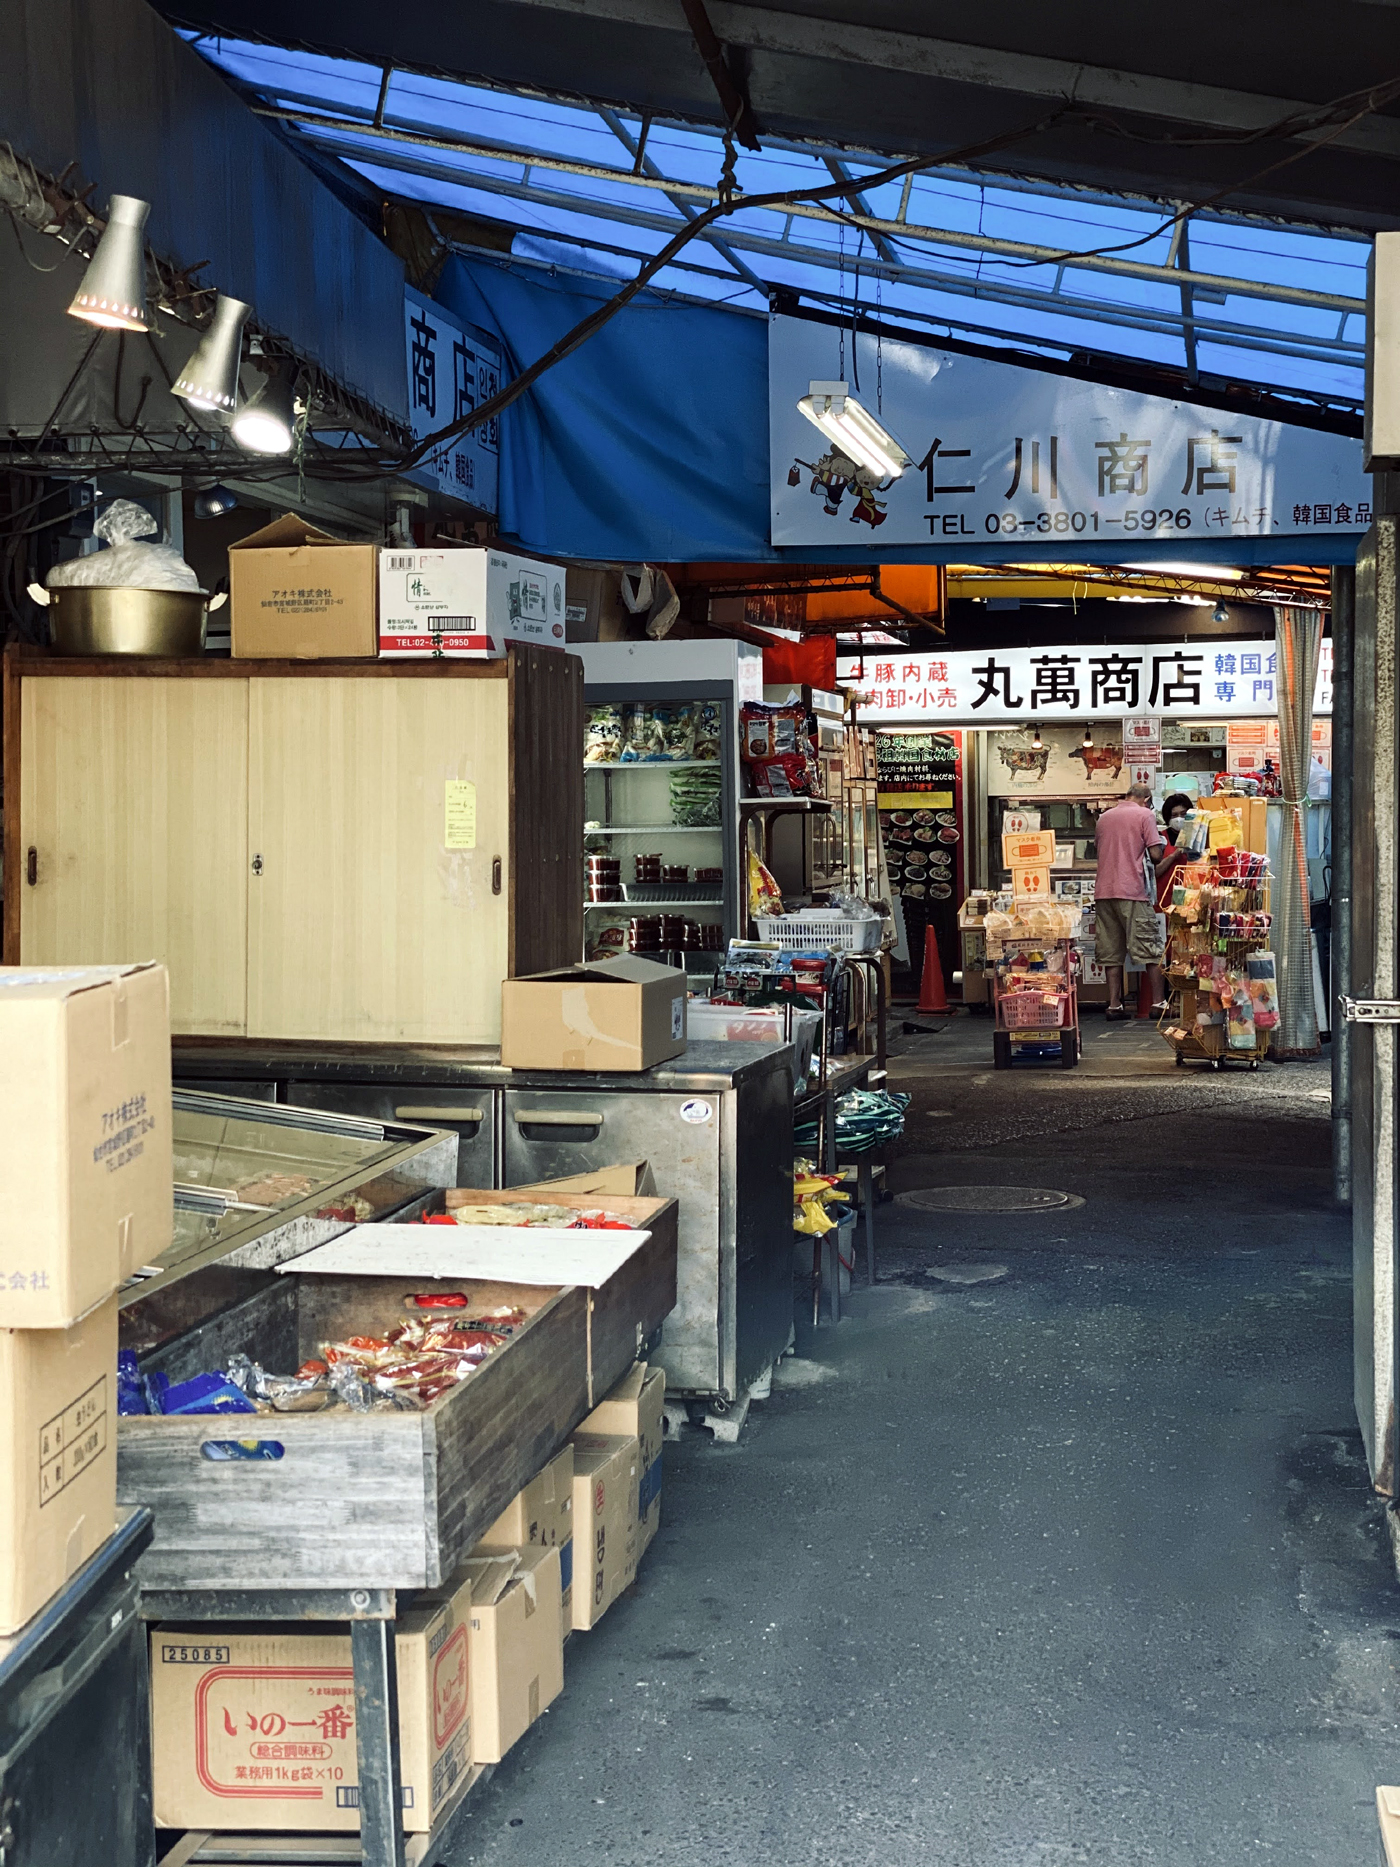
608, 1014
296, 593
634, 1180
466, 602
540, 1517
1030, 884
58, 1457
85, 1143
517, 1645
607, 1472
1036, 847
636, 1409
257, 1730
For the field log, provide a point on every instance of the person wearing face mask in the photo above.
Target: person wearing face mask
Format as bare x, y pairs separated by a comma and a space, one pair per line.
1175, 810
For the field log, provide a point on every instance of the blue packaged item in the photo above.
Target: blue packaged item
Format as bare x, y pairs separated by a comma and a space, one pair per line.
206, 1393
131, 1391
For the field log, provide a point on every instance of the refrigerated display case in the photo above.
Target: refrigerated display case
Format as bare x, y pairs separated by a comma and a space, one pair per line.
661, 787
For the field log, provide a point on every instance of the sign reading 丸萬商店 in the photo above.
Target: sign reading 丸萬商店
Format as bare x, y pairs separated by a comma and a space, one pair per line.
452, 368
1007, 455
1216, 678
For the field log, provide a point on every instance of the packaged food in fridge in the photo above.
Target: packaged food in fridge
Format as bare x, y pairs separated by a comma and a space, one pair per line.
603, 736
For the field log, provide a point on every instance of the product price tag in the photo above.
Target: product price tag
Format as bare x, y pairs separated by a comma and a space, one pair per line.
460, 828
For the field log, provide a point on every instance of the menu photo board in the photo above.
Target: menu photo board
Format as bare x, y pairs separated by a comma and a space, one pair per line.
919, 790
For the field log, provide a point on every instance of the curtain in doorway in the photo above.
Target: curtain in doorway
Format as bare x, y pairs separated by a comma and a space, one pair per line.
1298, 635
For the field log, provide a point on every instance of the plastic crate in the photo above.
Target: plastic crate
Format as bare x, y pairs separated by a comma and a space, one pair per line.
811, 933
1031, 1010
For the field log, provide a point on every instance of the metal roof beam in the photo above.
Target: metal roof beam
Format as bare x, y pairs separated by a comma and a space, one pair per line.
1018, 250
1161, 321
642, 161
1028, 74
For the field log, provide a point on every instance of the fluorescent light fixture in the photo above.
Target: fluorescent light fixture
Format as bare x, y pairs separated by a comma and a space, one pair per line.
113, 291
853, 430
1211, 573
266, 423
210, 378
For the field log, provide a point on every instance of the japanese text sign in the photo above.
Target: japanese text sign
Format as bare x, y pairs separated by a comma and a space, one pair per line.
1002, 454
452, 368
1210, 678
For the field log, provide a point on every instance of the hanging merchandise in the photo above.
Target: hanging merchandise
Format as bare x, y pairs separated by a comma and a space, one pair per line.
775, 744
1220, 973
813, 1194
765, 896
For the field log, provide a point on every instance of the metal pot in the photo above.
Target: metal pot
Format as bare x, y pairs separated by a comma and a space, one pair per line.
88, 620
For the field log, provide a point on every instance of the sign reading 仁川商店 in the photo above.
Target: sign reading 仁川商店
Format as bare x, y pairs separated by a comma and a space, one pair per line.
452, 369
1004, 455
1214, 678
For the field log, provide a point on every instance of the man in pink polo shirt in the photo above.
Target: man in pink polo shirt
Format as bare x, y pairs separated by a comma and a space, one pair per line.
1130, 847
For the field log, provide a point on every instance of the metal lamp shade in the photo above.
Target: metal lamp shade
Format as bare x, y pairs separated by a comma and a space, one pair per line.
113, 291
210, 378
266, 423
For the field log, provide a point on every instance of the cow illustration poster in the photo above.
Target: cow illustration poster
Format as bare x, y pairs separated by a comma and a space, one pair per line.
1061, 766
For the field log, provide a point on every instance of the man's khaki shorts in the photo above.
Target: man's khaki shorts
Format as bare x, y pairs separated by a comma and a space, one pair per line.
1126, 929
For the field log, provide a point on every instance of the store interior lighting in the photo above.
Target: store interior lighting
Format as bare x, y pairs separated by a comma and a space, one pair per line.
1220, 613
1037, 742
852, 429
1088, 738
113, 291
210, 379
266, 423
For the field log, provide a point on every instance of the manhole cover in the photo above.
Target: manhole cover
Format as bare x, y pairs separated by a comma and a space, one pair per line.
987, 1199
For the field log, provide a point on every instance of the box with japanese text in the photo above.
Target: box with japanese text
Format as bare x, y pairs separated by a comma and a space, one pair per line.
85, 1145
636, 1408
297, 594
517, 1645
606, 1492
465, 602
258, 1730
58, 1460
540, 1517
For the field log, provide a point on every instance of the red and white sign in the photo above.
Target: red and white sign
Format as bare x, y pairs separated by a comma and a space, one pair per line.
1142, 738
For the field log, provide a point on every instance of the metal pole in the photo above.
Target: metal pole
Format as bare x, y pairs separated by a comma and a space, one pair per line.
1343, 636
377, 1742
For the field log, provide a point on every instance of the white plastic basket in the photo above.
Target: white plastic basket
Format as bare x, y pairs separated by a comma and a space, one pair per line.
811, 933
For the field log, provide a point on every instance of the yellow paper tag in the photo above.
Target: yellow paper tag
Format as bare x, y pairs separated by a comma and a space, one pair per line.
460, 832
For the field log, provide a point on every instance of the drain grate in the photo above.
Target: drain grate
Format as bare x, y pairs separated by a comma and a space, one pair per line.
987, 1199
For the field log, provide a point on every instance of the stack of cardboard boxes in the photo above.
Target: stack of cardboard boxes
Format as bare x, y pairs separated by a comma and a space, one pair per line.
257, 1731
299, 594
85, 1167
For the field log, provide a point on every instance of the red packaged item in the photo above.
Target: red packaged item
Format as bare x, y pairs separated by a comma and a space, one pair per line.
437, 1299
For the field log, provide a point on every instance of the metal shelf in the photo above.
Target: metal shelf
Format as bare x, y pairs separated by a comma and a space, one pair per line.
655, 764
658, 829
671, 901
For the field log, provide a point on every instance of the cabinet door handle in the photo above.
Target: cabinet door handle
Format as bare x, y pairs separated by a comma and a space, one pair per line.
496, 875
558, 1118
31, 867
257, 865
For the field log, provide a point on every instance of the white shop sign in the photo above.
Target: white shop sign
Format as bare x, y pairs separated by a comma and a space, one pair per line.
1006, 455
451, 370
1212, 677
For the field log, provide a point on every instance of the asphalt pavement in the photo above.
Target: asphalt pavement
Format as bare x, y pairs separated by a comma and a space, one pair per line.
1059, 1549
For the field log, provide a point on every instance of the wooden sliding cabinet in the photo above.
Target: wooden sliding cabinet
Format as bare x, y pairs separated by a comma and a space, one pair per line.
356, 851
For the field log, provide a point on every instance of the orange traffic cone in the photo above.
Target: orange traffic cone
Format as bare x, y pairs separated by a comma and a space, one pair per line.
1144, 1004
932, 996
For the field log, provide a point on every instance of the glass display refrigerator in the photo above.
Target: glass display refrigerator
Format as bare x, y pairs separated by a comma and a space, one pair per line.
663, 876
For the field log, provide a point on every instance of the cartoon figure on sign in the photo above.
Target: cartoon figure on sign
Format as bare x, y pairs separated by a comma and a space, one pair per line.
831, 475
869, 509
1107, 758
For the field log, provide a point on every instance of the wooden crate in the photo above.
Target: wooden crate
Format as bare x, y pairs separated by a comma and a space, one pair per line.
381, 1499
274, 832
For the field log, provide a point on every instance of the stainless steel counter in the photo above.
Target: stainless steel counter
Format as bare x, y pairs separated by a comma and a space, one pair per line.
715, 1124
